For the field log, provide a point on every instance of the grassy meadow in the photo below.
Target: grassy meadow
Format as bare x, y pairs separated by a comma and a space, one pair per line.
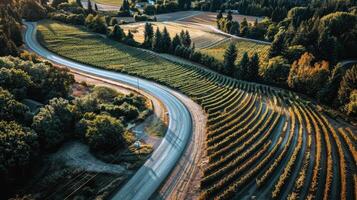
218, 50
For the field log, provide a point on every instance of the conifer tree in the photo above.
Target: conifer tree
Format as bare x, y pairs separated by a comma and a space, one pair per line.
175, 42
230, 57
89, 6
148, 35
166, 41
95, 7
156, 43
243, 67
277, 47
253, 69
188, 39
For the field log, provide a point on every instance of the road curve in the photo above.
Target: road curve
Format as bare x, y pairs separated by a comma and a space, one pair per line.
155, 170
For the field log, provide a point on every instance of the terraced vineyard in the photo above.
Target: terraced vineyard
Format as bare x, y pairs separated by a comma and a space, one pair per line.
261, 141
218, 50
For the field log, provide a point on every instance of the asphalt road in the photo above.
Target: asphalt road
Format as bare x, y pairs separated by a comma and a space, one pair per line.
150, 176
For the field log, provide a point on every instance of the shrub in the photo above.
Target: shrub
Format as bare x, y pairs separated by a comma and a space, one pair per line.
276, 71
19, 147
53, 122
103, 132
96, 23
149, 9
10, 109
117, 33
16, 81
140, 18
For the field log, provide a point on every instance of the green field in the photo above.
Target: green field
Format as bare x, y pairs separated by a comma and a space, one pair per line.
242, 46
110, 2
261, 141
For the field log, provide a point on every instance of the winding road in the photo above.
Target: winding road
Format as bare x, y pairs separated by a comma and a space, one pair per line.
164, 159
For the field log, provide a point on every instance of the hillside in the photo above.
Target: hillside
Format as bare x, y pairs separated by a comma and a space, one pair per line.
261, 141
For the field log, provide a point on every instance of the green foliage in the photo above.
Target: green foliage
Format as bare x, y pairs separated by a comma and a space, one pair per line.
53, 122
243, 67
276, 71
347, 85
125, 6
10, 109
101, 132
117, 33
96, 23
148, 35
185, 38
166, 41
253, 69
18, 148
230, 57
75, 19
16, 81
294, 52
175, 42
149, 9
157, 41
45, 81
278, 46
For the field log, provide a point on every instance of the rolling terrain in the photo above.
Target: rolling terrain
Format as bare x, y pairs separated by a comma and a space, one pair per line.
262, 142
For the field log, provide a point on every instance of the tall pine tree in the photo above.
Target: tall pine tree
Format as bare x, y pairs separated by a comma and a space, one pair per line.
253, 69
166, 41
148, 35
243, 67
175, 42
230, 56
277, 47
156, 43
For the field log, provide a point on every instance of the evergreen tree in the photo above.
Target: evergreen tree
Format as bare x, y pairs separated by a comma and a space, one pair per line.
117, 33
156, 43
89, 7
95, 7
175, 42
185, 38
166, 41
234, 29
148, 35
253, 69
244, 27
243, 67
230, 56
182, 37
125, 6
277, 47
